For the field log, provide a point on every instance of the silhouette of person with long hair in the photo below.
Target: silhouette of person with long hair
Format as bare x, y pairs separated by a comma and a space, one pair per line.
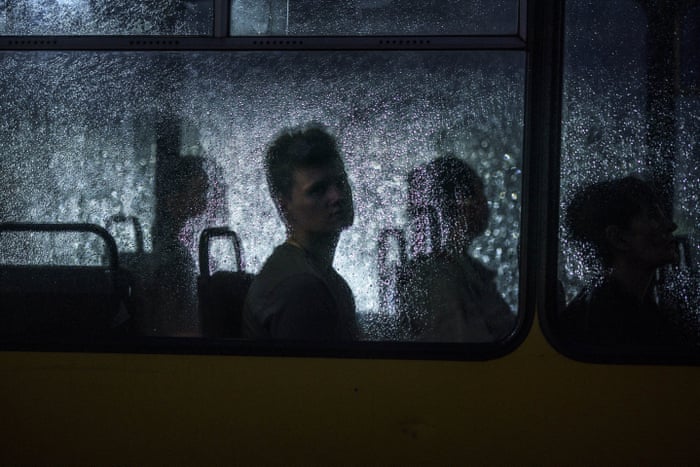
446, 295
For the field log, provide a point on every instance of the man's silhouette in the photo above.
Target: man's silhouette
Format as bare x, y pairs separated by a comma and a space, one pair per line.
298, 294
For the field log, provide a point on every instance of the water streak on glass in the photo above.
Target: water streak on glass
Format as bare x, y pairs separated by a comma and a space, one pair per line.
690, 53
604, 128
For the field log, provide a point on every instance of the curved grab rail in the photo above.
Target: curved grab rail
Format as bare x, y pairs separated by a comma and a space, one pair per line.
101, 232
204, 240
390, 240
386, 236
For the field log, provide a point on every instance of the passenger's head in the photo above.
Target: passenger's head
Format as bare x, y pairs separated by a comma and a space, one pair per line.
622, 220
307, 180
453, 191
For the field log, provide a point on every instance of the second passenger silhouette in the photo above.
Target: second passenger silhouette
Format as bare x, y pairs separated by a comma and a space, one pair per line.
298, 294
446, 295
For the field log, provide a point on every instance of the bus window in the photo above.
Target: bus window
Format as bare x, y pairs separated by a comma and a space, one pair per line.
105, 17
157, 146
372, 17
628, 278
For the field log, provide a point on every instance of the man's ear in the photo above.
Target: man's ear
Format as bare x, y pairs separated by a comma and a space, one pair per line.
615, 236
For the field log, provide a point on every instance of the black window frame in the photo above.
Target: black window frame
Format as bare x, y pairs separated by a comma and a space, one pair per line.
539, 36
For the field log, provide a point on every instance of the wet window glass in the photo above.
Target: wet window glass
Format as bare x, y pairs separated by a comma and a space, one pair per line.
373, 17
165, 152
102, 17
628, 278
690, 55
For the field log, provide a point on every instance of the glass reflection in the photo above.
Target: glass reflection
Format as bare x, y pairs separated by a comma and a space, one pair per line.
446, 295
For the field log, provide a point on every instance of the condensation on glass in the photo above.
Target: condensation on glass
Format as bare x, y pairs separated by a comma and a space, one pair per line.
373, 17
690, 53
86, 136
620, 120
103, 17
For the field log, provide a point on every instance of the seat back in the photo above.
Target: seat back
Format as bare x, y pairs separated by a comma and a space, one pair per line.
62, 301
222, 294
137, 265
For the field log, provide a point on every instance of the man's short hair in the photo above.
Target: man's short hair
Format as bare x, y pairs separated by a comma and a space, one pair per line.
310, 145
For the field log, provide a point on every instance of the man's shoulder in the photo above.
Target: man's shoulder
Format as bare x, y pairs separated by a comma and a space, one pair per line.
443, 268
285, 256
291, 298
285, 261
286, 271
602, 294
429, 265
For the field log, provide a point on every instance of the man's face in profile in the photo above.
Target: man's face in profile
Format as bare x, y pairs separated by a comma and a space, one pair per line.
647, 240
320, 200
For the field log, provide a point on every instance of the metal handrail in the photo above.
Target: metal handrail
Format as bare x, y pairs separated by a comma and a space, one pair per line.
101, 232
204, 241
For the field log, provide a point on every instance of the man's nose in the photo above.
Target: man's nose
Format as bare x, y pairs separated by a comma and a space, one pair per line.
667, 223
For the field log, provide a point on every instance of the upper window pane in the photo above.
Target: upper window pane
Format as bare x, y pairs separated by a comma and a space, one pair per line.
155, 147
373, 17
629, 233
103, 17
